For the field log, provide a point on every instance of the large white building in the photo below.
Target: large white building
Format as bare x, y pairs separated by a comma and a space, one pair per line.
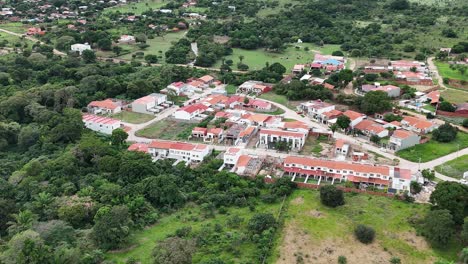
189, 112
269, 138
402, 139
330, 170
100, 124
80, 47
178, 150
149, 104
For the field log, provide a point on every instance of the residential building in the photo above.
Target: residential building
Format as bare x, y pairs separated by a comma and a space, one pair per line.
207, 80
404, 65
214, 135
149, 104
178, 150
402, 139
371, 128
141, 147
331, 116
355, 117
462, 109
100, 124
418, 125
35, 31
315, 109
255, 87
432, 97
269, 138
127, 39
177, 88
80, 47
104, 107
199, 132
391, 90
342, 148
189, 112
231, 156
358, 173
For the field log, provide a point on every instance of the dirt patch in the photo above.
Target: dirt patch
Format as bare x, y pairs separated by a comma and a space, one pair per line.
298, 200
316, 213
416, 241
298, 244
221, 39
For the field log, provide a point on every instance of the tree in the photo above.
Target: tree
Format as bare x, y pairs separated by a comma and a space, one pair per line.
105, 44
343, 121
174, 250
112, 226
334, 127
261, 222
375, 102
451, 196
338, 53
446, 106
331, 196
439, 227
445, 133
375, 139
463, 258
277, 68
55, 232
399, 4
22, 221
150, 58
428, 174
364, 234
118, 136
342, 260
416, 187
26, 248
28, 136
464, 232
117, 50
141, 38
88, 56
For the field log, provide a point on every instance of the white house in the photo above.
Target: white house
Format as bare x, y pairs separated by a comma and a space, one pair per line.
418, 125
104, 107
100, 124
269, 138
355, 117
190, 111
149, 104
402, 139
231, 156
371, 128
315, 109
127, 39
178, 150
80, 47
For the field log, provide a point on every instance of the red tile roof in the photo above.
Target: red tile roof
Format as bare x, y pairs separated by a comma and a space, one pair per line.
243, 161
338, 165
138, 147
193, 108
158, 144
206, 78
353, 115
108, 104
282, 133
99, 119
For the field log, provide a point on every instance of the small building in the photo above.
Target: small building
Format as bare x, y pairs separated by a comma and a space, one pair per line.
462, 109
127, 39
100, 124
79, 48
178, 150
35, 31
342, 148
214, 135
150, 104
255, 87
104, 107
189, 112
418, 125
207, 80
355, 117
141, 147
177, 88
199, 132
402, 139
315, 109
390, 90
270, 138
371, 128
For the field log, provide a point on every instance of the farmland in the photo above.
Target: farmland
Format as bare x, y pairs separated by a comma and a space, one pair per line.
137, 8
446, 72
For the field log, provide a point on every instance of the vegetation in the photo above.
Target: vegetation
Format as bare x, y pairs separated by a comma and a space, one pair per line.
364, 234
454, 168
331, 196
445, 133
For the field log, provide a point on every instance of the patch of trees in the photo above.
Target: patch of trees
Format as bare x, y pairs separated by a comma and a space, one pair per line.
297, 90
445, 133
375, 102
331, 196
179, 52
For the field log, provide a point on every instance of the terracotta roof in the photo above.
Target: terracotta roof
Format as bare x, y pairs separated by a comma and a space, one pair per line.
232, 151
353, 115
332, 113
395, 123
99, 119
138, 147
417, 123
328, 86
215, 131
193, 108
206, 78
259, 118
401, 134
243, 161
295, 125
108, 104
317, 104
145, 100
195, 83
248, 131
282, 133
367, 180
338, 165
158, 144
340, 143
260, 103
200, 129
435, 96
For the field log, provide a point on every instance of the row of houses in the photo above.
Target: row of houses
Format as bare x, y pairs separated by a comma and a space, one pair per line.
405, 72
191, 85
328, 63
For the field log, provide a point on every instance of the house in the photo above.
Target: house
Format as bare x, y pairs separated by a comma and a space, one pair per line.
80, 47
149, 104
298, 68
104, 107
417, 125
259, 104
241, 164
404, 65
358, 173
190, 111
100, 124
199, 132
371, 128
214, 135
413, 78
177, 88
256, 87
433, 98
391, 90
315, 109
270, 138
35, 31
178, 150
207, 80
331, 116
402, 139
355, 117
243, 135
127, 39
342, 148
141, 147
231, 156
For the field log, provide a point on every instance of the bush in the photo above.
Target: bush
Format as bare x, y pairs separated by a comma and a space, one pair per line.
445, 133
364, 234
342, 260
415, 187
446, 106
331, 196
395, 260
465, 122
338, 53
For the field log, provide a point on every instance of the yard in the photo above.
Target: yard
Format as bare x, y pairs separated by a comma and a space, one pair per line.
433, 149
256, 59
280, 99
143, 242
454, 168
455, 96
319, 234
314, 146
444, 70
137, 8
132, 117
165, 129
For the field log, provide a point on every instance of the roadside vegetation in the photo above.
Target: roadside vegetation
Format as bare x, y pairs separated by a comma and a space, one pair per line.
454, 168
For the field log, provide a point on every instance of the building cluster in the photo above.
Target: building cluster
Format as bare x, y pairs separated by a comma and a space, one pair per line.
326, 63
405, 72
191, 86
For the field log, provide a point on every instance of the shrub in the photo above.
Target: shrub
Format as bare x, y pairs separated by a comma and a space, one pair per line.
331, 196
342, 260
465, 122
395, 260
445, 133
364, 234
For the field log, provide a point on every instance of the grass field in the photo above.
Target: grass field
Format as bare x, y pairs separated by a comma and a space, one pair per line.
280, 99
313, 147
158, 46
164, 129
16, 27
137, 8
454, 168
132, 117
319, 234
455, 96
256, 59
446, 72
143, 242
433, 149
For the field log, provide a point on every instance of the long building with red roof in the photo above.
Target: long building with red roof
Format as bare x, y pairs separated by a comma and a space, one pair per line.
100, 124
187, 152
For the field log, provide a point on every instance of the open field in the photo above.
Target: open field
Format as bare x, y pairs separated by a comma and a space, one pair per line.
280, 99
445, 71
314, 146
132, 117
256, 59
455, 96
164, 129
16, 27
137, 8
319, 234
454, 168
143, 242
433, 149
